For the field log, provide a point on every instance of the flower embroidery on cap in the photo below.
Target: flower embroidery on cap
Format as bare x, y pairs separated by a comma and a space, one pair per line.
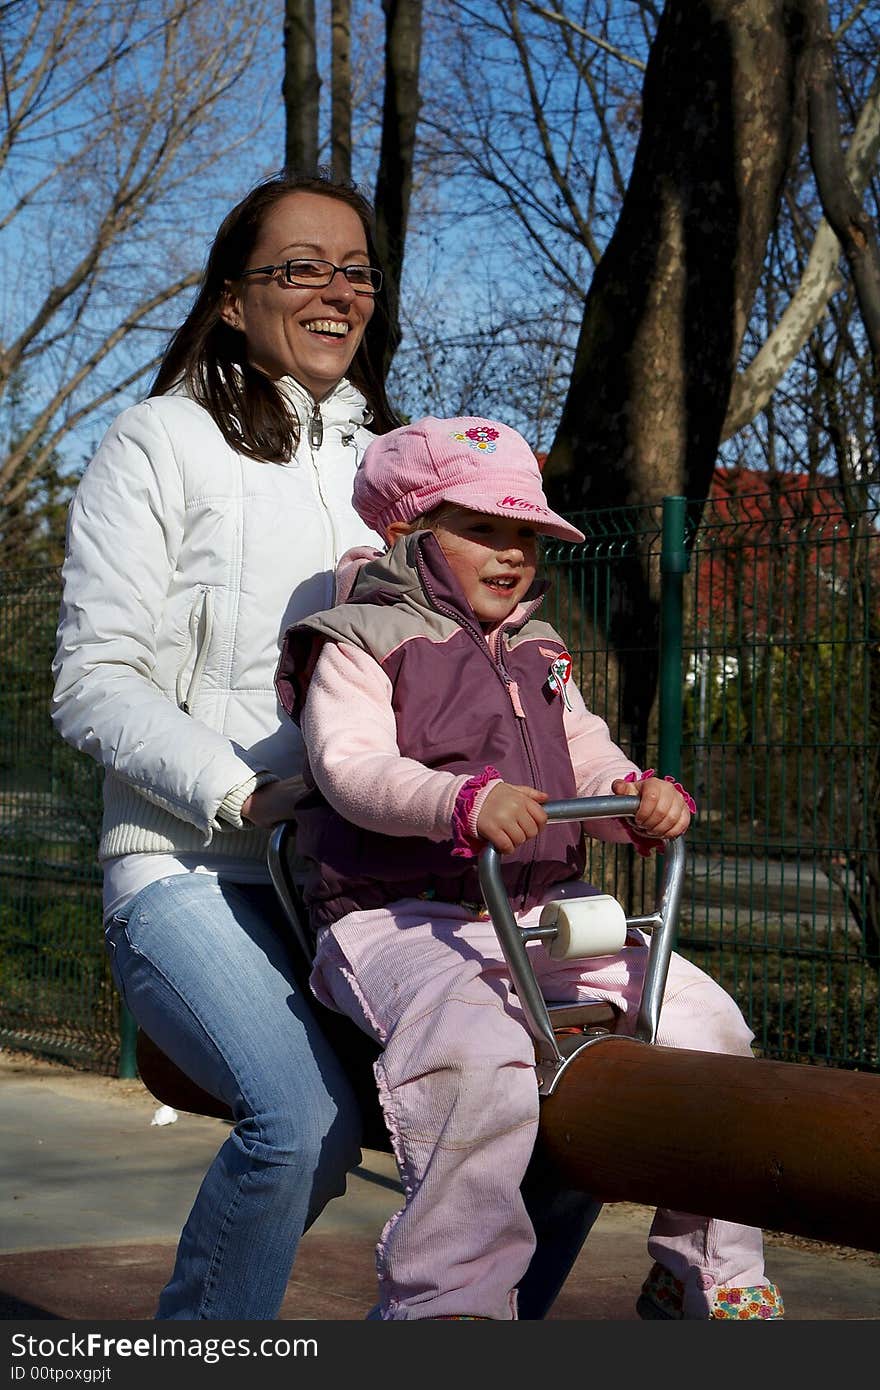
479, 437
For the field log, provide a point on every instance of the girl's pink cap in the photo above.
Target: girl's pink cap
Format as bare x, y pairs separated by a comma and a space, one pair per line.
478, 464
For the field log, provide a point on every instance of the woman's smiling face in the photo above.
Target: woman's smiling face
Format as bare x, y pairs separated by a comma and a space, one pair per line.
309, 334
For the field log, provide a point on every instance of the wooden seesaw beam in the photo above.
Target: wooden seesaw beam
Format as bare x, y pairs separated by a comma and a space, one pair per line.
778, 1145
772, 1144
782, 1146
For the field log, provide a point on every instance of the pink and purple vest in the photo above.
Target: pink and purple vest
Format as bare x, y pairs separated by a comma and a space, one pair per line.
461, 704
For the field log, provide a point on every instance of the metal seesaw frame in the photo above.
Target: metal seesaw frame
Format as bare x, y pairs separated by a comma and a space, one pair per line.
661, 924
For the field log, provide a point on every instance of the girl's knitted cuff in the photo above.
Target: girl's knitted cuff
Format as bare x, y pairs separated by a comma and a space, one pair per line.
466, 844
646, 844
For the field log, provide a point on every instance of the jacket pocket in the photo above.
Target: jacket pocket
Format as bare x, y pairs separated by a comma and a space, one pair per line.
200, 626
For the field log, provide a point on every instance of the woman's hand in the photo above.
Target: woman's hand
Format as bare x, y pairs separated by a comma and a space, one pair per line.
662, 811
510, 815
272, 803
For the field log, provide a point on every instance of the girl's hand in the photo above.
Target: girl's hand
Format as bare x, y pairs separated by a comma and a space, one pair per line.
511, 815
662, 812
272, 803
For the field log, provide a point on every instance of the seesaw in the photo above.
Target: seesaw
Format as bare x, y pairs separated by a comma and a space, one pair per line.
783, 1146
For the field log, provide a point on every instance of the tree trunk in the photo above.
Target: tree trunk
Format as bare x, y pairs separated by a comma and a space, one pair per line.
340, 89
301, 85
669, 301
403, 42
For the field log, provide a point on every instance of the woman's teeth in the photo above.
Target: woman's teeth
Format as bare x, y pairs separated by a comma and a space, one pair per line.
334, 326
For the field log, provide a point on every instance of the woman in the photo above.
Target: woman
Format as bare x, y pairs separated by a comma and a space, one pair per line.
210, 519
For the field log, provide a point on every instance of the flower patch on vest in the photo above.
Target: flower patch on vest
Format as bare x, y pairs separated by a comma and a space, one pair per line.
558, 676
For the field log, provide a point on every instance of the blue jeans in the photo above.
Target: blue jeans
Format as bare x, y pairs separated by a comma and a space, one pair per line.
208, 971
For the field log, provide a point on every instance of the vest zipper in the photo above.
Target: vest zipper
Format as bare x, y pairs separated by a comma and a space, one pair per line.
496, 661
494, 645
513, 691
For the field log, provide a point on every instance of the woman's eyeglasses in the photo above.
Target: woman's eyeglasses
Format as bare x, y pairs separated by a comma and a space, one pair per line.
314, 275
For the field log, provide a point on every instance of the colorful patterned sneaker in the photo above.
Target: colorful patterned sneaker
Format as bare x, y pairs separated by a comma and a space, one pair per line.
748, 1303
662, 1297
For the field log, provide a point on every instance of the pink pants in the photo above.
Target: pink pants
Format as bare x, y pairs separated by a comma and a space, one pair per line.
457, 1085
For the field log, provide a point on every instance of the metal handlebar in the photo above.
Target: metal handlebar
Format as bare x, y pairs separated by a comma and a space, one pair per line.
661, 923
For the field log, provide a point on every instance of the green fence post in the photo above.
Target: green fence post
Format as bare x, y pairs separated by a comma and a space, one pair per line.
674, 565
127, 1045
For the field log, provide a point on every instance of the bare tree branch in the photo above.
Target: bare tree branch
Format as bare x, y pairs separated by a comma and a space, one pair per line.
39, 425
556, 18
561, 183
755, 385
41, 456
842, 206
111, 166
854, 14
537, 123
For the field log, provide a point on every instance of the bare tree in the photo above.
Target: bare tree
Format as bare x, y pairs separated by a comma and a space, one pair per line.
398, 121
669, 302
340, 88
301, 88
400, 110
525, 136
113, 113
534, 138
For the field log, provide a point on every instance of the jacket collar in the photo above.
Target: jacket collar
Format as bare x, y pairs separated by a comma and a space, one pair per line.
344, 406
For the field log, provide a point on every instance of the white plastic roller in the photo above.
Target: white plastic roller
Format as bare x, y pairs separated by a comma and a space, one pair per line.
594, 926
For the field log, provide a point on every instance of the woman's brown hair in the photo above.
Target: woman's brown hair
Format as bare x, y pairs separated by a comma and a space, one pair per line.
210, 356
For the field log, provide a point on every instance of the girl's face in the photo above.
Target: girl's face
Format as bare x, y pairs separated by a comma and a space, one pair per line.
309, 334
494, 559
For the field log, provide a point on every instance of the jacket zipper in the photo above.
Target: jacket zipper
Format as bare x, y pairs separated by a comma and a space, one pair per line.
527, 744
316, 427
316, 439
201, 624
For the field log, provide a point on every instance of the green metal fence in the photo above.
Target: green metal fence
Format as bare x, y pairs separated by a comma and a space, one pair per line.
769, 696
56, 994
768, 673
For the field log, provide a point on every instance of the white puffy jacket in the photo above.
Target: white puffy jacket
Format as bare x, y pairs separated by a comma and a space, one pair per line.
186, 562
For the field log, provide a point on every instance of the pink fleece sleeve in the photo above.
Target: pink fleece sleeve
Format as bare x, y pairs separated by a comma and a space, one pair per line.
597, 762
351, 739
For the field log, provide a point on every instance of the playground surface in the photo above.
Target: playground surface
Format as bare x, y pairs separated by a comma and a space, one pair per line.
93, 1195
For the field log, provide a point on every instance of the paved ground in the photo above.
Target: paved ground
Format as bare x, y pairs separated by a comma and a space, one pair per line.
92, 1197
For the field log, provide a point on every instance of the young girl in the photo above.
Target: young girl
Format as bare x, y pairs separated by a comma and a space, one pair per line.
437, 715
